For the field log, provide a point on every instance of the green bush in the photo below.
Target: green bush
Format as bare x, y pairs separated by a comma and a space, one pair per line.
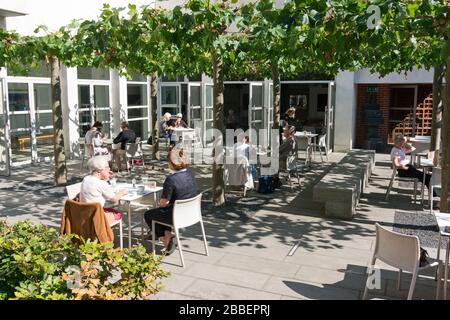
36, 262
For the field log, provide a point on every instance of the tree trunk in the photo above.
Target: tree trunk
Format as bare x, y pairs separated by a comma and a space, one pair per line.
446, 142
59, 152
155, 120
276, 97
218, 188
436, 125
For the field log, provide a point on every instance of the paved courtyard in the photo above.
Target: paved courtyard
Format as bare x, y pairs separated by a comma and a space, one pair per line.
249, 250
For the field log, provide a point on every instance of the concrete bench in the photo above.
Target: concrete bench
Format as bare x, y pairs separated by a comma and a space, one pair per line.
341, 188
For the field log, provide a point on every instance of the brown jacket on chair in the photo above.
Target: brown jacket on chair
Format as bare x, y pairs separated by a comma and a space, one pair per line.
87, 220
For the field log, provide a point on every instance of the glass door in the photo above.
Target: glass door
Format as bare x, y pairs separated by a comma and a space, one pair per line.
94, 106
208, 116
4, 133
169, 101
195, 117
256, 110
20, 123
44, 123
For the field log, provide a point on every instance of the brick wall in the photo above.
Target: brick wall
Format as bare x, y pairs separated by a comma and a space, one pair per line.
384, 101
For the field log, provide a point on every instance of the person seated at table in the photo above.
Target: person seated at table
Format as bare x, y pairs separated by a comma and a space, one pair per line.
404, 169
125, 136
180, 184
288, 147
95, 187
288, 120
97, 143
165, 127
179, 122
94, 140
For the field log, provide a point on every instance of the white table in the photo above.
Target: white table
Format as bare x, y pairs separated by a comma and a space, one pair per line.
132, 196
311, 141
179, 132
443, 220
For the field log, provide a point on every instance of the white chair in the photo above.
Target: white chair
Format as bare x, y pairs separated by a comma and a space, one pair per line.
403, 252
74, 189
435, 183
321, 144
185, 213
291, 166
395, 175
134, 151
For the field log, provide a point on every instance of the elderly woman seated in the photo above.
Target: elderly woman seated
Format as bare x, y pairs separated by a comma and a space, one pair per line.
404, 168
179, 185
95, 187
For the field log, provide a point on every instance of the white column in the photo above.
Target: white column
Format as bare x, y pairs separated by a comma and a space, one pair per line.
118, 100
69, 101
345, 112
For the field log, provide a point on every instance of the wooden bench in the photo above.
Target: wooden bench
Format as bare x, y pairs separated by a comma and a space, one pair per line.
21, 140
341, 188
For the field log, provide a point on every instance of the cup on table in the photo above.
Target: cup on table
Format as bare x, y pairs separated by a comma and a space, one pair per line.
152, 184
140, 189
144, 180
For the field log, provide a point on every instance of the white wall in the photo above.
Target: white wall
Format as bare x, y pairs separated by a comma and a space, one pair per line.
345, 112
415, 76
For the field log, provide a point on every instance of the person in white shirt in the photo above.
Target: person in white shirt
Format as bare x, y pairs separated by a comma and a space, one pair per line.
404, 168
95, 187
94, 141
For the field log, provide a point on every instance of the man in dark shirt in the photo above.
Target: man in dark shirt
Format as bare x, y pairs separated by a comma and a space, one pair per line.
125, 136
181, 184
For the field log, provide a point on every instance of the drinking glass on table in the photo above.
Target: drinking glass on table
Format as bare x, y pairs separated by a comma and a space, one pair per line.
152, 185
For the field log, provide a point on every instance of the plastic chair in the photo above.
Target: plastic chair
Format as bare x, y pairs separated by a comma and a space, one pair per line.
185, 213
74, 189
239, 174
395, 175
435, 183
403, 252
291, 166
321, 144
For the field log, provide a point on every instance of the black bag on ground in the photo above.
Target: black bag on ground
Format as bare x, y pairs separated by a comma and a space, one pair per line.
277, 183
265, 184
150, 140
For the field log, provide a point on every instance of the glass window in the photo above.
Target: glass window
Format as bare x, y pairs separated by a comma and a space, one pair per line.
257, 96
18, 97
138, 77
137, 94
169, 95
84, 98
195, 96
93, 73
137, 113
101, 96
42, 97
209, 96
43, 120
40, 71
139, 127
20, 121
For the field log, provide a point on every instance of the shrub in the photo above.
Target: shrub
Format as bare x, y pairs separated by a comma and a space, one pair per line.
36, 262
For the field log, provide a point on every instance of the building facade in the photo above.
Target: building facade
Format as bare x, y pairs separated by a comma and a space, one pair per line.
355, 109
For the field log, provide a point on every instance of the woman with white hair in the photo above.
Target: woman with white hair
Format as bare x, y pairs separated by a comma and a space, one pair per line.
95, 187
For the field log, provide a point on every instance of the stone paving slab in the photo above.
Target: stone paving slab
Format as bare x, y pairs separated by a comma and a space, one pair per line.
248, 259
308, 290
